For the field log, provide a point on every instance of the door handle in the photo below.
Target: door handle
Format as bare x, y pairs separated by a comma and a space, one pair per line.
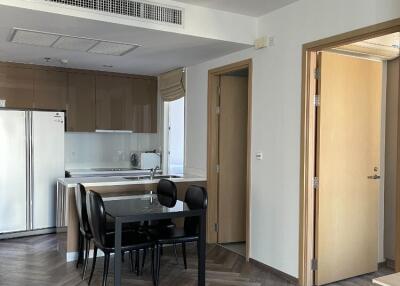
374, 177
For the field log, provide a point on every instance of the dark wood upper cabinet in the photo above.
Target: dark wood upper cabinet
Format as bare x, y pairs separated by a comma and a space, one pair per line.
81, 106
113, 95
144, 105
92, 100
50, 89
16, 86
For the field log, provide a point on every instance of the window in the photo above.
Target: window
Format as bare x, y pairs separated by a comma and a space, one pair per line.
175, 135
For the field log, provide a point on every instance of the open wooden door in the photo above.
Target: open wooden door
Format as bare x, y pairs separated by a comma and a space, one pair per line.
348, 166
232, 159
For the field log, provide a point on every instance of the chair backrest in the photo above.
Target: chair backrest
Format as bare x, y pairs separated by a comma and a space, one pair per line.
167, 193
80, 199
195, 198
97, 217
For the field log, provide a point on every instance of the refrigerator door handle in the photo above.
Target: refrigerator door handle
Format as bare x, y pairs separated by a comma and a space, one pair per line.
29, 189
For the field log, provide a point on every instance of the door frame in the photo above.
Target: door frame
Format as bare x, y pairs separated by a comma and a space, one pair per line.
307, 146
212, 152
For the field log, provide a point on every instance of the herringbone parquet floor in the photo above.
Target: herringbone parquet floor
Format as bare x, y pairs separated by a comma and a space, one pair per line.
35, 261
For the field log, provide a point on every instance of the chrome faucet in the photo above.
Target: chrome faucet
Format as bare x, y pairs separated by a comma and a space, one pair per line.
153, 171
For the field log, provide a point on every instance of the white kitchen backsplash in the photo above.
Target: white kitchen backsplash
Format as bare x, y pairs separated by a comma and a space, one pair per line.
91, 150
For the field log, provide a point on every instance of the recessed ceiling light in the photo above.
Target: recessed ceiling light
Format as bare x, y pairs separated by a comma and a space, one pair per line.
107, 66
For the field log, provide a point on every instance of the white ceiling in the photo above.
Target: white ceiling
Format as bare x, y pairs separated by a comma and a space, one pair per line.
253, 8
159, 51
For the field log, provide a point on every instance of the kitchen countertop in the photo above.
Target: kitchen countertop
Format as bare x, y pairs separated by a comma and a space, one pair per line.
120, 181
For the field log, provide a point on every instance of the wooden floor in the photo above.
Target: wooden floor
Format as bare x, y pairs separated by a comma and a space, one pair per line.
36, 261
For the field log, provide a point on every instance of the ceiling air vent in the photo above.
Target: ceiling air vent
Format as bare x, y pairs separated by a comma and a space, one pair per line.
73, 43
137, 9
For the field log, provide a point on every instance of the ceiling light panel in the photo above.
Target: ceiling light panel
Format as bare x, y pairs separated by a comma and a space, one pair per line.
112, 48
20, 36
74, 44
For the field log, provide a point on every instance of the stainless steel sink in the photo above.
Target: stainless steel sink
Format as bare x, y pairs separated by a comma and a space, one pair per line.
166, 177
138, 178
155, 177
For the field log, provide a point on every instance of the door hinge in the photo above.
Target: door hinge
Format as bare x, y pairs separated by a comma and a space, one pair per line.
216, 227
218, 110
315, 182
317, 73
217, 168
317, 100
314, 264
219, 90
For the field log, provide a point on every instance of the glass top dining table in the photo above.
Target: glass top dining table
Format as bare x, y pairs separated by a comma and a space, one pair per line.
147, 208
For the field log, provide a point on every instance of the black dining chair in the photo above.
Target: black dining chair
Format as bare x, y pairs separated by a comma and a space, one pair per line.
131, 240
167, 195
85, 234
195, 198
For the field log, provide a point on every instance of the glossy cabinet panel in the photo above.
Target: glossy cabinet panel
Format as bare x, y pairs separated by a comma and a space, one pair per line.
16, 86
50, 89
81, 107
112, 102
144, 106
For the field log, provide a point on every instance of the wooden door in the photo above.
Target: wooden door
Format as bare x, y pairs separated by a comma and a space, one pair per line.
232, 159
81, 111
112, 102
50, 89
16, 86
144, 105
348, 152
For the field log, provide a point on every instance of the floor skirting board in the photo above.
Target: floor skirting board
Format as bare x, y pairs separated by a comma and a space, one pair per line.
277, 272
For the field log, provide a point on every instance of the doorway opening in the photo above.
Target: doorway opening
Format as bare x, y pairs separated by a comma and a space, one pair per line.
229, 113
349, 157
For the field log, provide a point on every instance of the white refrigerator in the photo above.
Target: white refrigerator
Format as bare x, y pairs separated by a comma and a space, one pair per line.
31, 160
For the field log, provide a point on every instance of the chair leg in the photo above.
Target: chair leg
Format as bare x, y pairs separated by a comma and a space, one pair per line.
158, 263
153, 270
80, 249
131, 261
176, 254
143, 260
87, 249
106, 264
184, 255
137, 262
93, 264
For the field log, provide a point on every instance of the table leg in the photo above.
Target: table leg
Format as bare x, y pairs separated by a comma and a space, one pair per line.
202, 252
117, 255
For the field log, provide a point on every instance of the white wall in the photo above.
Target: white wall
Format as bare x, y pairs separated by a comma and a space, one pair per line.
198, 21
276, 115
91, 150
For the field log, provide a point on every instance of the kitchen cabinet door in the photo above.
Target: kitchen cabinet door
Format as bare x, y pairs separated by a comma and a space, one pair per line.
16, 86
50, 89
81, 106
112, 102
144, 106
